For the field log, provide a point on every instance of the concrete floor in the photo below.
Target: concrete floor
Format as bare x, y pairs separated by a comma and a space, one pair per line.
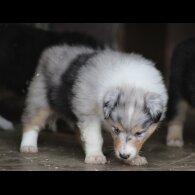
62, 152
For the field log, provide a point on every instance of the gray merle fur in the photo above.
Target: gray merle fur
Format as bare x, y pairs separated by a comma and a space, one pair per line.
60, 97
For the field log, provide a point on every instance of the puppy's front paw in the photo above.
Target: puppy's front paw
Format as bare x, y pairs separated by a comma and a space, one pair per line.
95, 159
137, 161
175, 142
28, 149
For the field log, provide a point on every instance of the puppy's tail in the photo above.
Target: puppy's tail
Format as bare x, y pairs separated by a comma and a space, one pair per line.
5, 124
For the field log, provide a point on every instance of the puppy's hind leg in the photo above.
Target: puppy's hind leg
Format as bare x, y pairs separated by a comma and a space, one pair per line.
90, 130
31, 127
52, 123
175, 126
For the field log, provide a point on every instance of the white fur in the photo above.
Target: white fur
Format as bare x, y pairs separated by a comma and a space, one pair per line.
29, 141
114, 69
131, 150
58, 59
137, 161
126, 148
92, 139
131, 113
5, 124
111, 70
105, 70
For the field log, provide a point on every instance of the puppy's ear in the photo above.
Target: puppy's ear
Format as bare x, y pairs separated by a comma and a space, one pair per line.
154, 106
111, 100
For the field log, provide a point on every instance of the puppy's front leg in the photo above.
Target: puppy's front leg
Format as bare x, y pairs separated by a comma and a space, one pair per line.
91, 137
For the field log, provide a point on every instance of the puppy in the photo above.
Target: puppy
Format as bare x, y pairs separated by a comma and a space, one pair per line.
181, 90
92, 88
21, 47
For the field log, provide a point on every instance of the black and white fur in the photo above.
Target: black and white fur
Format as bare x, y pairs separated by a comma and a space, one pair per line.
21, 47
92, 88
181, 90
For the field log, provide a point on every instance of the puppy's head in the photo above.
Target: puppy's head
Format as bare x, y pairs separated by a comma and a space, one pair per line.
132, 115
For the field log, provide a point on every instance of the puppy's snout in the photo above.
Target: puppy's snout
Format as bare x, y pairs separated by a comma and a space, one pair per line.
124, 156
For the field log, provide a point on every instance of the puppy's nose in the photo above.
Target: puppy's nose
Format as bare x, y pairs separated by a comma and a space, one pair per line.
124, 156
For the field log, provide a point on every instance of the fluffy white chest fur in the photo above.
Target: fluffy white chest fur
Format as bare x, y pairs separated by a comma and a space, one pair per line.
91, 87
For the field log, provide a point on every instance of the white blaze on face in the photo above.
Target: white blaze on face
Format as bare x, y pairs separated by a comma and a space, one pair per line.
131, 150
130, 112
122, 138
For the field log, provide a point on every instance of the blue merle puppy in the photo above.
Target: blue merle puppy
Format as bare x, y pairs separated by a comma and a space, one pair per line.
94, 87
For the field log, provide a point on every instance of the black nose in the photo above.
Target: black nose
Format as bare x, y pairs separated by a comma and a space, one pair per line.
124, 156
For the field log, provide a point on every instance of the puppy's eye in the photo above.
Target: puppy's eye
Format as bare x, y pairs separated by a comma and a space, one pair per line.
116, 130
138, 134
